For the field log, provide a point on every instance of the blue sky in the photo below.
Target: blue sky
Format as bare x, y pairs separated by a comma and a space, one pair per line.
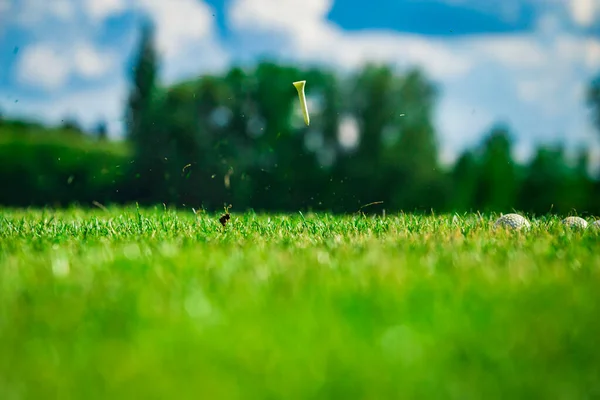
522, 62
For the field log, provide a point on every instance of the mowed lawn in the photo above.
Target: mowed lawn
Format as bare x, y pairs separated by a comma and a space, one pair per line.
158, 304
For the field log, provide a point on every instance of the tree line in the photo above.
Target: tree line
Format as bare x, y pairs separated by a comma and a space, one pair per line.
237, 138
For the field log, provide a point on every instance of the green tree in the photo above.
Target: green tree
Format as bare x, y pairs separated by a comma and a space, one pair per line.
141, 114
324, 180
545, 185
581, 183
464, 178
414, 156
144, 77
396, 161
552, 184
281, 160
498, 182
205, 141
373, 102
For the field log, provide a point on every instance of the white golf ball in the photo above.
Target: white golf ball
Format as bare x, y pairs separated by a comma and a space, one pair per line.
513, 221
575, 222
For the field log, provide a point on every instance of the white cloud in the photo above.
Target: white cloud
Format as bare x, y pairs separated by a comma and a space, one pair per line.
514, 51
461, 123
64, 48
310, 36
33, 12
5, 11
90, 63
50, 67
4, 6
299, 17
184, 28
185, 36
592, 54
179, 23
41, 65
351, 50
98, 10
557, 86
196, 58
529, 90
584, 12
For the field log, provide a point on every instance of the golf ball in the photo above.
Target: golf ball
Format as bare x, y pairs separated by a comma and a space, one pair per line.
575, 222
513, 221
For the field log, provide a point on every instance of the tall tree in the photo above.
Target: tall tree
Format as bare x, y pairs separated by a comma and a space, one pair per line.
464, 178
545, 187
396, 161
373, 104
582, 185
141, 128
145, 70
499, 182
415, 154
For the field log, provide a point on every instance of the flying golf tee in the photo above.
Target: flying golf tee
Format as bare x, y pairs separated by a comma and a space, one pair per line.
300, 88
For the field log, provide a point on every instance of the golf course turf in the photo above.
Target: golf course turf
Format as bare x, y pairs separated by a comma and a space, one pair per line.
124, 303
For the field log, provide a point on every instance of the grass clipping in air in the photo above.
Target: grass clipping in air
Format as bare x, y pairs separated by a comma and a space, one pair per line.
121, 303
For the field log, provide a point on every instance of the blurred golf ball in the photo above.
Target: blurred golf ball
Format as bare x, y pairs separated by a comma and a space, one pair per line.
513, 221
575, 222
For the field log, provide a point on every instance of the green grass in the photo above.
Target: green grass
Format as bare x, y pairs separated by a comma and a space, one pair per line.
156, 304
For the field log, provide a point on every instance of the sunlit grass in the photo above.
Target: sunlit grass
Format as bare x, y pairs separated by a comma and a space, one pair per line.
162, 304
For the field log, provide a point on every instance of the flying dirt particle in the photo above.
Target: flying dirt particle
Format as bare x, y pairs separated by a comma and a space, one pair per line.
223, 220
226, 217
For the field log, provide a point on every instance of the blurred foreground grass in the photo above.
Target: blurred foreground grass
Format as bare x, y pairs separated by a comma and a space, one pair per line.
159, 304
